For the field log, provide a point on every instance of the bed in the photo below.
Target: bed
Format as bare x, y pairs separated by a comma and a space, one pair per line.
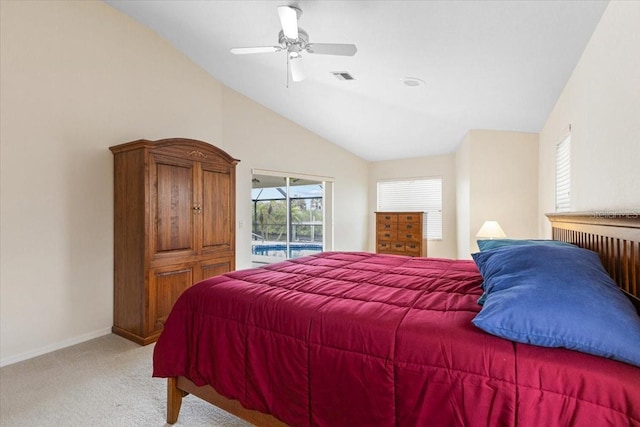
359, 339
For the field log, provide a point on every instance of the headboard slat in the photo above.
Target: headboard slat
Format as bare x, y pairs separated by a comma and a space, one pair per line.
634, 276
625, 265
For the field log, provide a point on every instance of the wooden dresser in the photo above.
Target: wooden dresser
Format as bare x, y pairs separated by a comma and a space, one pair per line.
400, 233
174, 225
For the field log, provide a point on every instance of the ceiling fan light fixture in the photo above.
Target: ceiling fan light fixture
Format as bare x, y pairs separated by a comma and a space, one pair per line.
297, 69
300, 42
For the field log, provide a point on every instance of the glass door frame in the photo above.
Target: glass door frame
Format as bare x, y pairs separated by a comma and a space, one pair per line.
327, 202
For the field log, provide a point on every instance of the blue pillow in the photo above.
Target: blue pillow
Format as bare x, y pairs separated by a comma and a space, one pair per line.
487, 245
557, 296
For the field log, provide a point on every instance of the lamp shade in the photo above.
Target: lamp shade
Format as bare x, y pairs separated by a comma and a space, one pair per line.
491, 230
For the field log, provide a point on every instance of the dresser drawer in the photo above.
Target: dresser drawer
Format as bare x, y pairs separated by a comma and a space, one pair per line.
409, 227
397, 246
386, 218
409, 236
387, 235
413, 249
409, 217
386, 226
383, 247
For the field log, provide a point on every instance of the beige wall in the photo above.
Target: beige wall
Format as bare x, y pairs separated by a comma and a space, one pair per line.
263, 140
601, 101
463, 197
498, 171
78, 77
443, 166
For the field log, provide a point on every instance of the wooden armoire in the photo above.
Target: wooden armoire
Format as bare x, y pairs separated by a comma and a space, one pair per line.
174, 225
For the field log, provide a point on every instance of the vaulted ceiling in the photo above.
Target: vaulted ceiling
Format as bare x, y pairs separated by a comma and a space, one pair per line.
486, 64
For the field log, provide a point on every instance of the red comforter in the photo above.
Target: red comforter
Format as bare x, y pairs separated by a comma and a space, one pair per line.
357, 339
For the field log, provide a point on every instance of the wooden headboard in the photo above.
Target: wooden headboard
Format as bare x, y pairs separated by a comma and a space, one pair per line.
616, 237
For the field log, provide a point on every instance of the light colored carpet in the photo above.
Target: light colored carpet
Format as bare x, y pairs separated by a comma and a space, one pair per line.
103, 382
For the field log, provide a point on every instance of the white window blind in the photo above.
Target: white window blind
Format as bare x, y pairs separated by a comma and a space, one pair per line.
417, 194
563, 175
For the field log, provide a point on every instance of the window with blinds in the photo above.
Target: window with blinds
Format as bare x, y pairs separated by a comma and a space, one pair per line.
417, 194
563, 175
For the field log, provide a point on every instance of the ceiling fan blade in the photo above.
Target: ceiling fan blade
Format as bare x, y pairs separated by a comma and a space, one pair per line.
297, 69
332, 49
289, 20
257, 49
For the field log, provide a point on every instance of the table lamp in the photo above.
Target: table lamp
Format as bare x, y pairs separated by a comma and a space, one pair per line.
491, 230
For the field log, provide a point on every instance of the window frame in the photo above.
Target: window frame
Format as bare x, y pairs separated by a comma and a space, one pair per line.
327, 206
563, 174
433, 217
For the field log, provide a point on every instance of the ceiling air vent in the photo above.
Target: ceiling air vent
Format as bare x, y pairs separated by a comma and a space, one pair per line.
342, 75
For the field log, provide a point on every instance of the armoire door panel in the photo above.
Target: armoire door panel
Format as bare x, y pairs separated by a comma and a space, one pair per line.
217, 229
174, 207
165, 286
216, 268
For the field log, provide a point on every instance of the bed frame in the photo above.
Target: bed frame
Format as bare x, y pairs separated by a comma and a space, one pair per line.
179, 387
615, 236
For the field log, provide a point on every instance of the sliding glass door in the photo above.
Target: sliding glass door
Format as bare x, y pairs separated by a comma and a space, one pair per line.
289, 217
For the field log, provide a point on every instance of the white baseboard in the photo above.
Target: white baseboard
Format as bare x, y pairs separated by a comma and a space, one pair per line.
53, 347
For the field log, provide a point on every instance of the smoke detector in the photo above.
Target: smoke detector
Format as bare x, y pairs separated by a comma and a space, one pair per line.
412, 81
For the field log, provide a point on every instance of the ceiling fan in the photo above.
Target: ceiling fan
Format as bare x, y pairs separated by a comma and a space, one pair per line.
294, 41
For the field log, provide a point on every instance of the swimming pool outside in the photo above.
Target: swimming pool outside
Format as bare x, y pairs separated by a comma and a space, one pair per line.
279, 250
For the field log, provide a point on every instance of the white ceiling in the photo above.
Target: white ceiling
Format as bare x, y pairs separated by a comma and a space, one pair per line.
487, 64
